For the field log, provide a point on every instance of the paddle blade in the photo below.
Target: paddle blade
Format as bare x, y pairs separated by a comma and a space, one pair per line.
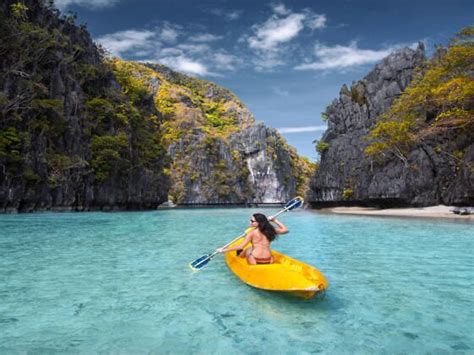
200, 262
294, 203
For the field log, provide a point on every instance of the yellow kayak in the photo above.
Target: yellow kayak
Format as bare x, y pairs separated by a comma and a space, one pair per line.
284, 275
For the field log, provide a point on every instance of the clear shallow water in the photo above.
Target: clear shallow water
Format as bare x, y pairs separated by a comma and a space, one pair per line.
119, 283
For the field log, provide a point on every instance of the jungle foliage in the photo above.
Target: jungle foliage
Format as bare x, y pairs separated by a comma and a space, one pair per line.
59, 99
66, 111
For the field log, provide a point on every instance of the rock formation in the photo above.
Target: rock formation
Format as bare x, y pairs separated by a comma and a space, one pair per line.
79, 131
66, 142
347, 176
221, 155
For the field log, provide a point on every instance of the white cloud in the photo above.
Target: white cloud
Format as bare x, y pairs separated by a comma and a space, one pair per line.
195, 58
173, 52
169, 33
280, 9
281, 92
301, 129
228, 15
315, 21
119, 43
342, 57
205, 37
193, 48
224, 61
276, 31
94, 4
267, 61
233, 15
273, 40
186, 65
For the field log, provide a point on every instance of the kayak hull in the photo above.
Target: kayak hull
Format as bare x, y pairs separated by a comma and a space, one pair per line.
285, 274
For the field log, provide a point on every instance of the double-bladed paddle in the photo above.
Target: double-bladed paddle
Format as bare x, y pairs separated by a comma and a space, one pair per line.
202, 261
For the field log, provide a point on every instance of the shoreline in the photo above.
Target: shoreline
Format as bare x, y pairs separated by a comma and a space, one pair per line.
439, 211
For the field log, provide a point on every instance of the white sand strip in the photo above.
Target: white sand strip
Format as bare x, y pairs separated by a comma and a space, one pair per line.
439, 211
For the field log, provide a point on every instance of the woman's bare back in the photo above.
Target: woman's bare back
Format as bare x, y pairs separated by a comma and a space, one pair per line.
260, 244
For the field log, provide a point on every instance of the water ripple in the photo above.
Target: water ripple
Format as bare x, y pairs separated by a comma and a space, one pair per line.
119, 283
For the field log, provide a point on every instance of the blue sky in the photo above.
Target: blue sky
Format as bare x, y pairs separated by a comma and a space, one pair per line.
286, 60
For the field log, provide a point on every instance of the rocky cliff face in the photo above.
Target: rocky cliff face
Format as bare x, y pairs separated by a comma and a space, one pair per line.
219, 154
270, 164
82, 132
70, 139
251, 166
346, 175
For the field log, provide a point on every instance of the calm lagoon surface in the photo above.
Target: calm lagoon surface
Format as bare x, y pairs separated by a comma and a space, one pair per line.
120, 283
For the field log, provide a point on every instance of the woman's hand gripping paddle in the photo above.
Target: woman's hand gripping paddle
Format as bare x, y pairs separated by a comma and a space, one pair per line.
202, 261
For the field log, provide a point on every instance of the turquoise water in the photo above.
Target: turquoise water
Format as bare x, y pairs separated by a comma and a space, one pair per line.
119, 283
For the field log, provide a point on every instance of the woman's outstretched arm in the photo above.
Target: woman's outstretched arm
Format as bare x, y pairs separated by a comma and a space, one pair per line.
242, 245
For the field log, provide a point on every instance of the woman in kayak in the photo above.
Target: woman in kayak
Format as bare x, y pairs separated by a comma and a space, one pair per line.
260, 238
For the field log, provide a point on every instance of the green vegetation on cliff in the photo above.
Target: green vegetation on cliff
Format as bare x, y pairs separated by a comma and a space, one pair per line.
187, 108
200, 121
111, 116
75, 125
64, 119
440, 98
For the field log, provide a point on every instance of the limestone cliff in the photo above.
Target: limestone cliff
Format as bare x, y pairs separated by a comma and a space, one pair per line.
250, 166
431, 171
80, 131
70, 138
218, 153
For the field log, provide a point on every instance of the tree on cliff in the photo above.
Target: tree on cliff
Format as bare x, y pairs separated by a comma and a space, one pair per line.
70, 136
440, 98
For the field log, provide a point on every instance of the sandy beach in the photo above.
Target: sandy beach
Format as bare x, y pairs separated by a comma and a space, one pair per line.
439, 211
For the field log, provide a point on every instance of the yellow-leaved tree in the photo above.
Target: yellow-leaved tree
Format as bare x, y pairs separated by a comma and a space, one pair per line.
440, 97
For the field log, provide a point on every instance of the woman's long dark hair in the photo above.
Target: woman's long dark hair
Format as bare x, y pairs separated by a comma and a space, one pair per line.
265, 227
